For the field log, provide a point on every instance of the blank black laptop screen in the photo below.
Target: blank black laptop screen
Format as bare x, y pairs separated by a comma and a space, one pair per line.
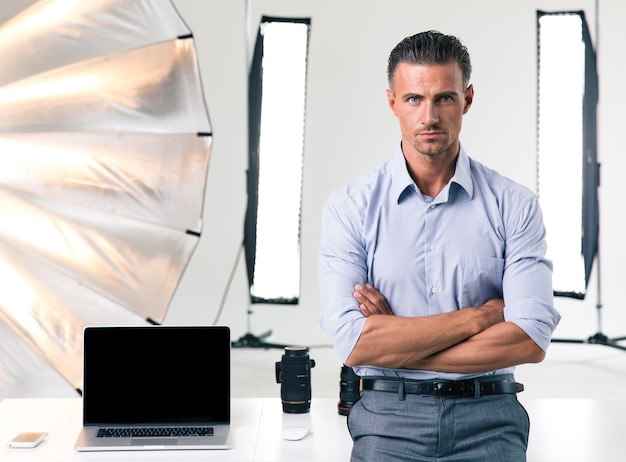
167, 374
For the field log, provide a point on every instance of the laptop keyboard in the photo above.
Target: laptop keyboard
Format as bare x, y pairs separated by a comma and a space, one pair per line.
117, 432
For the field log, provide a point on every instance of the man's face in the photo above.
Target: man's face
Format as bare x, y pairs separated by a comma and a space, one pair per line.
429, 102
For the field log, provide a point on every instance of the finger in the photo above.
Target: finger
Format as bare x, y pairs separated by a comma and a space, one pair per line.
365, 311
365, 306
368, 308
375, 302
376, 299
374, 296
362, 299
369, 293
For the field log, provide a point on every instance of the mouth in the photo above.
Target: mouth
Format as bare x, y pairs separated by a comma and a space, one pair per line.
430, 135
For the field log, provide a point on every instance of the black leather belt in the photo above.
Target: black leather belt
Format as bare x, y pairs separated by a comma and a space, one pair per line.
445, 388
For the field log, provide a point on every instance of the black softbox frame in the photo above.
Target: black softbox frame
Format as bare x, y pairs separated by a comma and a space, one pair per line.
255, 98
590, 166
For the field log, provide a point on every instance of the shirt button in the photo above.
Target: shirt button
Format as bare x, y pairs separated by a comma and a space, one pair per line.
432, 247
434, 290
432, 206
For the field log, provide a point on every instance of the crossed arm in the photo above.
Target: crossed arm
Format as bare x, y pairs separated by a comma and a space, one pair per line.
471, 340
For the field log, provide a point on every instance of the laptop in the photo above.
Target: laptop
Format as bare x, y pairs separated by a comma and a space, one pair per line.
155, 388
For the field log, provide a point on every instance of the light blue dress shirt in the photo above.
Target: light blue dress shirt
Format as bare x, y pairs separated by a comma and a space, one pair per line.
482, 237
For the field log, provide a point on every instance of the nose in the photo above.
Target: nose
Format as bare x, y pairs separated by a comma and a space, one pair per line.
430, 114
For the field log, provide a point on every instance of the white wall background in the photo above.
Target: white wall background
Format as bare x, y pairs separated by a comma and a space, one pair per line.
349, 129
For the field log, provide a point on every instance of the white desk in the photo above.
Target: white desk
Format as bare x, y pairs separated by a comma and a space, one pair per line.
562, 430
255, 433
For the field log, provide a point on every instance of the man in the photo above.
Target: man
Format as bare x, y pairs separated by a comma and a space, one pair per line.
433, 279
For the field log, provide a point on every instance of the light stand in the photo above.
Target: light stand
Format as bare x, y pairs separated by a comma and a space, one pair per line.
249, 340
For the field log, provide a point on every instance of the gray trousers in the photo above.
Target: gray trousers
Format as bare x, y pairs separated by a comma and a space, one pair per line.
423, 428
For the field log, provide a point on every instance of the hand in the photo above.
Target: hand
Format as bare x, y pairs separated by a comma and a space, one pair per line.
494, 310
371, 301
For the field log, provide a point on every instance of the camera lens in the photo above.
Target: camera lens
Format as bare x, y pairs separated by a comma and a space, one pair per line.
293, 372
349, 390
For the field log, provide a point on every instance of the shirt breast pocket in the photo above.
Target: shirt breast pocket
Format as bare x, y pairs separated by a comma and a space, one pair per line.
482, 280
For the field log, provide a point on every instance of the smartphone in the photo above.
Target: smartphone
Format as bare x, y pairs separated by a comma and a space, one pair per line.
27, 439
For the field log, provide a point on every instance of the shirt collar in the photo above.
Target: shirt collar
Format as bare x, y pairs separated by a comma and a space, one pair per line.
462, 174
401, 180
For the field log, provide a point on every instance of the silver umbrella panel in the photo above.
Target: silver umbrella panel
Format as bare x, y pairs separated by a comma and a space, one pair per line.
105, 143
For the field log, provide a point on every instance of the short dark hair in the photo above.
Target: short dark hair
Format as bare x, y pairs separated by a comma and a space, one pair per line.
430, 47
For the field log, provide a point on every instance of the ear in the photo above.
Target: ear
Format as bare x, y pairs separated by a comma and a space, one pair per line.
391, 101
469, 98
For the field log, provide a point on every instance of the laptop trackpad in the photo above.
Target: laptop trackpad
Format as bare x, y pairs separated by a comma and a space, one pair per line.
153, 441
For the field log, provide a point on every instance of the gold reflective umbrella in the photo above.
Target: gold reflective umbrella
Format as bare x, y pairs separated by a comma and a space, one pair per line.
104, 149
